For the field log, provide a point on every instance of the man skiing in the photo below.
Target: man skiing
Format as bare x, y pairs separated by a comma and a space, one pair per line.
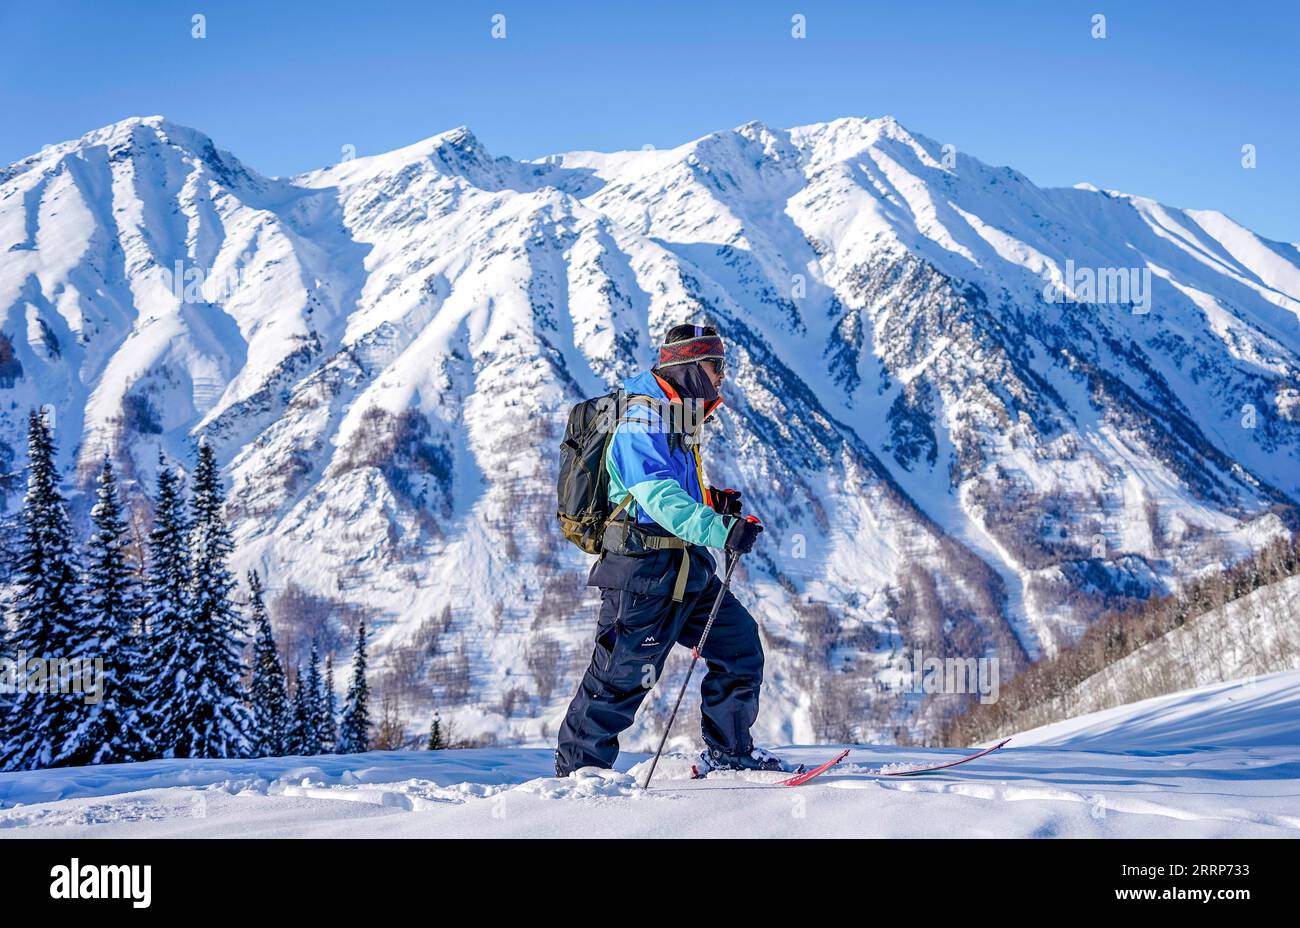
657, 580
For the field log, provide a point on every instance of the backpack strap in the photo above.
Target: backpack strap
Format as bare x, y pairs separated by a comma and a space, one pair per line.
652, 542
619, 508
627, 400
656, 542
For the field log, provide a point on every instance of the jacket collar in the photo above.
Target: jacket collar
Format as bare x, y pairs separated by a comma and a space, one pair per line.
648, 383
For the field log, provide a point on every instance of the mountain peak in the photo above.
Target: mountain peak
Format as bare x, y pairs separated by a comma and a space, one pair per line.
455, 152
460, 137
754, 129
134, 127
136, 135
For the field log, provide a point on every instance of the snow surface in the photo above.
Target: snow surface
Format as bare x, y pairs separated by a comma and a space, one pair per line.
1219, 761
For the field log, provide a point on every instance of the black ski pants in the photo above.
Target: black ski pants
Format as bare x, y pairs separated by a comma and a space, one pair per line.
634, 634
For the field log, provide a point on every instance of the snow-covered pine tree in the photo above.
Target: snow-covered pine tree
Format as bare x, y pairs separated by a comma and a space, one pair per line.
169, 636
301, 736
436, 739
213, 718
114, 728
313, 703
329, 735
44, 605
8, 553
354, 731
271, 717
167, 573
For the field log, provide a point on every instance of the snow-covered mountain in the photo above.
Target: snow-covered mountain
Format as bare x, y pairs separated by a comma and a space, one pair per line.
383, 353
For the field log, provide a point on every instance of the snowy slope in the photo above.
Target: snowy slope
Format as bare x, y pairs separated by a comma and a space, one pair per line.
1255, 635
1221, 761
386, 349
1253, 712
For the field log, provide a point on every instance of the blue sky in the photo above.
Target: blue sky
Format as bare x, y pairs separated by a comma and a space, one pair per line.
1161, 106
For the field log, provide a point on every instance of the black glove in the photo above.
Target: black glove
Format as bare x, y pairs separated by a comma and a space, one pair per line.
726, 501
743, 534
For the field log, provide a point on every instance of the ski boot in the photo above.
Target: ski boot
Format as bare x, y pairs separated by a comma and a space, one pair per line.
712, 758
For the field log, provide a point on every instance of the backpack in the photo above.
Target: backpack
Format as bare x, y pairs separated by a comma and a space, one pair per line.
583, 485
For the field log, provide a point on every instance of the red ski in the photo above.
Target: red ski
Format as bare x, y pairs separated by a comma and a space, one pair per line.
801, 778
951, 763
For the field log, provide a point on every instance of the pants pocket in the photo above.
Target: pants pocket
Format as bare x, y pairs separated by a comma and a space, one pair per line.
643, 639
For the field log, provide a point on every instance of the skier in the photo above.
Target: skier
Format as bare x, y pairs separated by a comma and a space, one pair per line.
657, 581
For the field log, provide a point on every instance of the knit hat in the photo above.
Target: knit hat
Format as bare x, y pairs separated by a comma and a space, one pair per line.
687, 344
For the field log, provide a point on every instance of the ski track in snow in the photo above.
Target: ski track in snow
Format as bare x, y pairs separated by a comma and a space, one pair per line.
1218, 761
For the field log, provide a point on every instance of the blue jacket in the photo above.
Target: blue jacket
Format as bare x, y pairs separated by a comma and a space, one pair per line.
666, 482
667, 490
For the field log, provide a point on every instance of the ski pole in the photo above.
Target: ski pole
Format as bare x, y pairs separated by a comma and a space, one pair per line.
732, 559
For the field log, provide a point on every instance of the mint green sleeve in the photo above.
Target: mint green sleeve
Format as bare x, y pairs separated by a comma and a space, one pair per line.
671, 506
639, 463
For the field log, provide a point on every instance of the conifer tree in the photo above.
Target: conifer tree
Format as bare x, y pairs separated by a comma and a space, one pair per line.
212, 717
300, 734
271, 715
354, 730
169, 636
114, 728
45, 606
313, 704
329, 735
